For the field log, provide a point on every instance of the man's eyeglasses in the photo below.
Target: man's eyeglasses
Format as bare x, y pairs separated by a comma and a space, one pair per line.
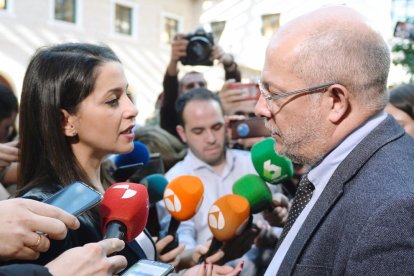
272, 98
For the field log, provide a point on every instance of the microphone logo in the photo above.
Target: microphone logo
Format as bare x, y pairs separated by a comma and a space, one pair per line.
271, 171
172, 202
216, 218
128, 192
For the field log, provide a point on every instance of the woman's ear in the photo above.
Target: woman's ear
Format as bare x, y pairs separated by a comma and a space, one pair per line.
339, 103
67, 124
181, 133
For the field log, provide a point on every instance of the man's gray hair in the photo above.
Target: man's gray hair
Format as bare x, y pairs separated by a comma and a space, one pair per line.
345, 56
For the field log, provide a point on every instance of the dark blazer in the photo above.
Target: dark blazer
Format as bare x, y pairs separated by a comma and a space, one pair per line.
363, 222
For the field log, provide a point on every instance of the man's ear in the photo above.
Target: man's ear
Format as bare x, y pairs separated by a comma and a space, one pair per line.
67, 124
181, 133
339, 103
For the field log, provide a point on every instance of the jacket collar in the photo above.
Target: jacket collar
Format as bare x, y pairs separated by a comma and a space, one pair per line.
389, 130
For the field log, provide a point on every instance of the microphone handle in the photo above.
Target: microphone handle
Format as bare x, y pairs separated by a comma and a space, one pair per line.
153, 223
172, 230
214, 247
115, 229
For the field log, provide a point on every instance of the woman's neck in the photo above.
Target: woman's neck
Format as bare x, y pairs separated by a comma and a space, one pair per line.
92, 167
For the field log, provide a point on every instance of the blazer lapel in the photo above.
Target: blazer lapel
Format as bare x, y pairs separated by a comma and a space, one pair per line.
386, 132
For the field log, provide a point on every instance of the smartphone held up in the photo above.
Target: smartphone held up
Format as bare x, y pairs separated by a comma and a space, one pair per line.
248, 128
75, 198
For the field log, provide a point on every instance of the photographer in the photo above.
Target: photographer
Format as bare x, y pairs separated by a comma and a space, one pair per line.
174, 87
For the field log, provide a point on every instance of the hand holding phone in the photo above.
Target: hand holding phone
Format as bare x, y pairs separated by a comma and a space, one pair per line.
248, 128
75, 198
149, 268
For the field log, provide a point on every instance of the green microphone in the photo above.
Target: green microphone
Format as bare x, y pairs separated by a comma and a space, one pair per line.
255, 190
270, 166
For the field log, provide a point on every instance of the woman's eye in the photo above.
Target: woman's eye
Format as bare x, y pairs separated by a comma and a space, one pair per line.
112, 102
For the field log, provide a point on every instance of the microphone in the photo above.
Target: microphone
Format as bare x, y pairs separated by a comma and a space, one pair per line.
270, 166
255, 190
155, 184
227, 217
127, 164
182, 198
124, 211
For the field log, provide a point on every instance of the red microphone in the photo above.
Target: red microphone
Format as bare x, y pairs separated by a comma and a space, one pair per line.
182, 198
227, 217
124, 211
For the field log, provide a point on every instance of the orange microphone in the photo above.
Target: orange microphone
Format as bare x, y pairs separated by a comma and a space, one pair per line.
182, 198
227, 217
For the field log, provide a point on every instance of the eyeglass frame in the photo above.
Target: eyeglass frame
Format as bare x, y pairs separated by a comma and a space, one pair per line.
275, 97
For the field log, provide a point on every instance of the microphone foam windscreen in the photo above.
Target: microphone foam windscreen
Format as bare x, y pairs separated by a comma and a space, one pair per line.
270, 166
128, 204
140, 154
255, 190
155, 184
228, 216
183, 196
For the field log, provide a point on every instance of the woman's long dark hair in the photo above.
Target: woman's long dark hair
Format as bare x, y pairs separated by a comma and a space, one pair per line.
58, 77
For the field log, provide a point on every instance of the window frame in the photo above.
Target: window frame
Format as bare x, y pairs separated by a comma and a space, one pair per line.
78, 15
134, 20
164, 16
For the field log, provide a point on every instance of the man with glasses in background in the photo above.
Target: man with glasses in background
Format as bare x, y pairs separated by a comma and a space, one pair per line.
353, 211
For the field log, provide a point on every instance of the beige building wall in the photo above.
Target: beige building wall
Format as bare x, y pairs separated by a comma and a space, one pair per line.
29, 24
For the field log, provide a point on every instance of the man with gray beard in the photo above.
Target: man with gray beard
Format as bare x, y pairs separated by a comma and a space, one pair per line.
323, 91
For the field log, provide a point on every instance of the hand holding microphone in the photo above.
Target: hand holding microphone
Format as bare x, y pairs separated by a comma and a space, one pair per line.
227, 218
277, 216
124, 211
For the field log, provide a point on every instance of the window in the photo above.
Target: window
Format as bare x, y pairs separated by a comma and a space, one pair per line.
3, 4
270, 24
123, 19
171, 26
217, 29
65, 10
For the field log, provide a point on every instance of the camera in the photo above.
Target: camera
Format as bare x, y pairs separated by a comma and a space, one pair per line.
199, 48
404, 30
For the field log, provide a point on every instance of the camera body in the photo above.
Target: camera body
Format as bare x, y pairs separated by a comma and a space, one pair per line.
199, 48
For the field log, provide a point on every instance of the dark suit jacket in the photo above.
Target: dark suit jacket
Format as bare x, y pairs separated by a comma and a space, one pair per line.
363, 222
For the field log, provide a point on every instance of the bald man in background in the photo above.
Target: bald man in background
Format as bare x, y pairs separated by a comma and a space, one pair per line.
323, 91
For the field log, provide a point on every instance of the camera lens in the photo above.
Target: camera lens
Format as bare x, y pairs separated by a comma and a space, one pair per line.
199, 50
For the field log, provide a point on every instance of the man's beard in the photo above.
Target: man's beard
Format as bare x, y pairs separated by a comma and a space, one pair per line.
303, 143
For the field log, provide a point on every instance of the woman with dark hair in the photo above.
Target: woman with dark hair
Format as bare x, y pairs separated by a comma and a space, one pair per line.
74, 111
401, 106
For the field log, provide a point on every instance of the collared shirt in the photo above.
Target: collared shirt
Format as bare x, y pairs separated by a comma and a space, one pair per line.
320, 176
196, 231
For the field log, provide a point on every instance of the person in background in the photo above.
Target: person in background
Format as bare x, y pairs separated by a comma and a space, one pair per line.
401, 106
323, 89
202, 127
160, 141
8, 145
173, 88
